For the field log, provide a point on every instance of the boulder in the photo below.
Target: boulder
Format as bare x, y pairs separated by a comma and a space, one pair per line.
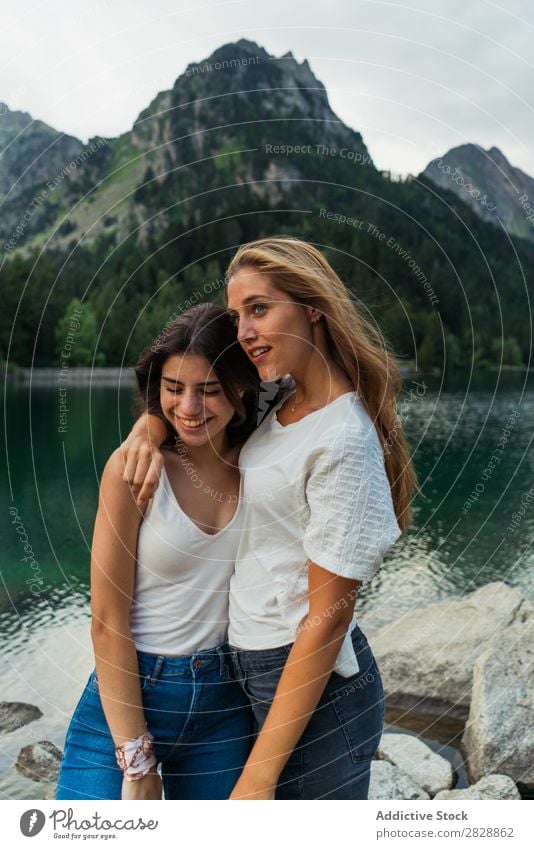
390, 782
490, 787
499, 734
428, 770
14, 715
375, 619
525, 613
39, 761
426, 657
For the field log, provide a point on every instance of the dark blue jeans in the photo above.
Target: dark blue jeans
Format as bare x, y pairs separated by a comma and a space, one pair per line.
201, 721
332, 759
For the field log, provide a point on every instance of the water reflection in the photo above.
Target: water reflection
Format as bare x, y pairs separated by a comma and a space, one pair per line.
52, 480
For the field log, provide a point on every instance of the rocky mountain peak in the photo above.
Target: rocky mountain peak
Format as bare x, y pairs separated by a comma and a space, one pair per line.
30, 151
489, 184
241, 82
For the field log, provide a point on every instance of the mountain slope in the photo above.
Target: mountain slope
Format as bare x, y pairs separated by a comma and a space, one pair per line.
493, 188
31, 152
245, 144
43, 174
240, 99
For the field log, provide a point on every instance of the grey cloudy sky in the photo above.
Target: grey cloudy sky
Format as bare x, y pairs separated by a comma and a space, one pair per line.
415, 78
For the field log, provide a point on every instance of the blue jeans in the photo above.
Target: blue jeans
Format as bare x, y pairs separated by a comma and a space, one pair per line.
332, 759
201, 722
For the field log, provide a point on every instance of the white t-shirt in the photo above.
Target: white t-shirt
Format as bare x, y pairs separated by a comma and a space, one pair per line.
317, 490
182, 579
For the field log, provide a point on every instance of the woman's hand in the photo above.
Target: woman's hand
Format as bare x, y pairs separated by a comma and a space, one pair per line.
148, 787
143, 460
246, 789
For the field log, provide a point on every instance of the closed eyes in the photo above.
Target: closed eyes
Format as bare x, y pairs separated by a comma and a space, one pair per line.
178, 391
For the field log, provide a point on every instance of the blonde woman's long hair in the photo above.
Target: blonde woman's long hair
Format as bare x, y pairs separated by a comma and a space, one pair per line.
355, 343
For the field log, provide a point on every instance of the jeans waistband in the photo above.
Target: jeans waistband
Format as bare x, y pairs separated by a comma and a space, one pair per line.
160, 665
248, 660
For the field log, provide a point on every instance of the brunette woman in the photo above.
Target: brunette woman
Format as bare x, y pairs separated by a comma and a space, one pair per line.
162, 693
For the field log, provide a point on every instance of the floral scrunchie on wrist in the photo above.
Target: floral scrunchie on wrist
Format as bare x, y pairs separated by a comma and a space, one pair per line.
136, 757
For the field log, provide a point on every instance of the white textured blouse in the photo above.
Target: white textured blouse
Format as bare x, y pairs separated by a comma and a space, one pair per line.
313, 490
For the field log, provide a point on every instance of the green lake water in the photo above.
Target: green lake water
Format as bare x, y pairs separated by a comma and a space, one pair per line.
50, 478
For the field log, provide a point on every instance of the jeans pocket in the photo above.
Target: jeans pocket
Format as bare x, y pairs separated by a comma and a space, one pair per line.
339, 685
359, 708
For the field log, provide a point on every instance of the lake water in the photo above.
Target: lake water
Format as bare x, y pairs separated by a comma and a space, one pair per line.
50, 494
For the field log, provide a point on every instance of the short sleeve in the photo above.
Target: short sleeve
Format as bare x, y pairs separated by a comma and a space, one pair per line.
352, 523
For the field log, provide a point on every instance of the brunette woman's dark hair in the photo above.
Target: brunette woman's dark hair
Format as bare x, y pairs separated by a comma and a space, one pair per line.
207, 331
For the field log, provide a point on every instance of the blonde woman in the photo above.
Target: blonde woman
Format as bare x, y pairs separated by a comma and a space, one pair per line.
327, 483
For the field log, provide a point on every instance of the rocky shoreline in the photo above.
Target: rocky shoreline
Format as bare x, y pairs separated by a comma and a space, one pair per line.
470, 659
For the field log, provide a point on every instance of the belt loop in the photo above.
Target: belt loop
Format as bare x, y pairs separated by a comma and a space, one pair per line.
222, 661
236, 665
154, 675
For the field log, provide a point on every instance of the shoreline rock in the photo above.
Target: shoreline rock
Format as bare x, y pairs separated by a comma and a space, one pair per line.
469, 659
39, 761
430, 771
390, 782
427, 656
489, 787
499, 734
14, 715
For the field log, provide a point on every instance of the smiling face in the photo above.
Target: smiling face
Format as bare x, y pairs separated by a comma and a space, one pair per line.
273, 330
193, 400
